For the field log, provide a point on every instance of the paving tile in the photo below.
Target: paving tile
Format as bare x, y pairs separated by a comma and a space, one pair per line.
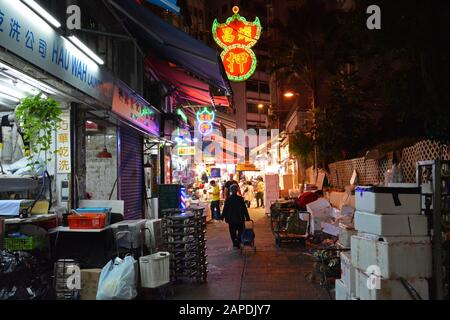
271, 273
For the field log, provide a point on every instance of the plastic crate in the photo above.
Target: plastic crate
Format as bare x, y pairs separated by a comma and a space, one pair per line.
23, 243
96, 210
87, 221
155, 270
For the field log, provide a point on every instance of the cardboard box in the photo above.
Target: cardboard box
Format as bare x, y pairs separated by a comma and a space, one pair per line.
341, 291
89, 283
396, 257
391, 225
388, 200
388, 289
348, 272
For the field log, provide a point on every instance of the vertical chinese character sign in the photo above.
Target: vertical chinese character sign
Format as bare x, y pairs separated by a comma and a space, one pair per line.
236, 37
205, 121
63, 145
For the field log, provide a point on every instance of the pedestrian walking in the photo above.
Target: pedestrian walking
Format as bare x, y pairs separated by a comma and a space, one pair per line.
260, 193
235, 214
228, 184
215, 200
249, 193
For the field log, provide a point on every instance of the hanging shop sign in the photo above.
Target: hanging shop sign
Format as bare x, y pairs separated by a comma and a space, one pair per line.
135, 109
205, 121
63, 145
27, 35
236, 37
186, 151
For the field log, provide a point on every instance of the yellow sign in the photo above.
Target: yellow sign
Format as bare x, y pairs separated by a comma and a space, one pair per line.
246, 167
63, 145
186, 151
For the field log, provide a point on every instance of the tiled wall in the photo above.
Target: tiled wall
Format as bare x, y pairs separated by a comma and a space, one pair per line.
101, 173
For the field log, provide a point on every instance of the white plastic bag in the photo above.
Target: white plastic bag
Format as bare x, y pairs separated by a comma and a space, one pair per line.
118, 280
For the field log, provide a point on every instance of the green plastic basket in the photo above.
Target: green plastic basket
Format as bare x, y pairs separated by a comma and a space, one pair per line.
22, 244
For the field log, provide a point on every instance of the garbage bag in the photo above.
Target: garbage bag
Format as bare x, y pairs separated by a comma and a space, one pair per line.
23, 276
118, 280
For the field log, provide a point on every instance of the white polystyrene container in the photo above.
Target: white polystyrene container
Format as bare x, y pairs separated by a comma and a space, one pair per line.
387, 200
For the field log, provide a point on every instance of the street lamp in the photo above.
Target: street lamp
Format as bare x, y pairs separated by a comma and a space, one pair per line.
288, 94
260, 107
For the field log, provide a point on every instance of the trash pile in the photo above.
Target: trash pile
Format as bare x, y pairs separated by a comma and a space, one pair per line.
23, 276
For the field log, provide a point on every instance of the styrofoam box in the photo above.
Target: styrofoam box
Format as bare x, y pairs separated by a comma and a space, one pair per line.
391, 225
348, 272
345, 235
397, 257
341, 290
388, 289
330, 229
388, 200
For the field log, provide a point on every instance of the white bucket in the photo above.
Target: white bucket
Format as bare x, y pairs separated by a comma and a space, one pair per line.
155, 269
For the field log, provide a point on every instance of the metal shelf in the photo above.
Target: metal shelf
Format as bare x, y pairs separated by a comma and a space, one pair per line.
438, 289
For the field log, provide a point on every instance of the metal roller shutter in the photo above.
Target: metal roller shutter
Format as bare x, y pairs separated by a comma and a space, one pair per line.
131, 185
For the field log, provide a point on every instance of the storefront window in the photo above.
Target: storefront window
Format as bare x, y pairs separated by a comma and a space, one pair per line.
101, 161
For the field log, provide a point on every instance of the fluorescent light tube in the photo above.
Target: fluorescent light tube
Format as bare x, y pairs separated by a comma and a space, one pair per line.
8, 97
86, 50
42, 12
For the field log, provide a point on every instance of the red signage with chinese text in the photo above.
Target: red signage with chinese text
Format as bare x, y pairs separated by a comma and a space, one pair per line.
237, 36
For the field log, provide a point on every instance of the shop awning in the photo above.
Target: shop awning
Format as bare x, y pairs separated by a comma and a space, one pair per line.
187, 87
174, 45
170, 5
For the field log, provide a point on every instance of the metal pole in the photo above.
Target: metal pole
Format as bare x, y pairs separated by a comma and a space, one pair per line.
438, 278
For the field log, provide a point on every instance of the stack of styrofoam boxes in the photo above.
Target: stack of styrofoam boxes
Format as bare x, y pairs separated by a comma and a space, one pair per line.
272, 190
392, 244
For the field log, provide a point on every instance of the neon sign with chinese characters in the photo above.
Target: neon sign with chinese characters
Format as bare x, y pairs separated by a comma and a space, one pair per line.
205, 121
236, 37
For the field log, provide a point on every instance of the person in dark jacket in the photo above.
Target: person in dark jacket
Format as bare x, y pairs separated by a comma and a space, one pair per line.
235, 214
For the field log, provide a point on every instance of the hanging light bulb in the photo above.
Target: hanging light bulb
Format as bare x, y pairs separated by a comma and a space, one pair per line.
104, 154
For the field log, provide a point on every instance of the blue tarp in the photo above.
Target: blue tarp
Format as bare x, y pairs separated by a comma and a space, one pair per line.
172, 44
170, 5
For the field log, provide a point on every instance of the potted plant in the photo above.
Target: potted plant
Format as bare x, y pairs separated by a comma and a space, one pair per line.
38, 118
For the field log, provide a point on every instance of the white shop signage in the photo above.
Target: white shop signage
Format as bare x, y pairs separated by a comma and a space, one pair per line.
27, 35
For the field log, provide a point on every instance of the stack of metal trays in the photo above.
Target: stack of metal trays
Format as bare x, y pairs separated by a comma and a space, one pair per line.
184, 234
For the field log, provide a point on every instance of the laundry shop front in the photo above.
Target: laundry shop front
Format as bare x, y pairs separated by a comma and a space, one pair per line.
100, 144
35, 57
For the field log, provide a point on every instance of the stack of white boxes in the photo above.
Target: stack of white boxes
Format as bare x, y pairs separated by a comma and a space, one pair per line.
392, 250
272, 190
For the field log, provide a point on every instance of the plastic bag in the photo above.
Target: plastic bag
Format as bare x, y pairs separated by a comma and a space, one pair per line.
118, 280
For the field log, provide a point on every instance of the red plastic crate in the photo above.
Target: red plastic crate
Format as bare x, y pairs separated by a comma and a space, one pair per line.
87, 221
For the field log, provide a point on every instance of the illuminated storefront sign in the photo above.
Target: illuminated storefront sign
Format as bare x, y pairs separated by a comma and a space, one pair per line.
186, 151
135, 109
205, 120
25, 34
236, 37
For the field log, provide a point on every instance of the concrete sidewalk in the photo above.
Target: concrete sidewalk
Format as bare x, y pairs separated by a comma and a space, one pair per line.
269, 274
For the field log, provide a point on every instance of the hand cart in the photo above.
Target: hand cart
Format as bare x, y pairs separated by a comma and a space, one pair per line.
248, 236
279, 222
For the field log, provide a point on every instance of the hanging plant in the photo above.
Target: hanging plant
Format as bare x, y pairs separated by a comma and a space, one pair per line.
38, 118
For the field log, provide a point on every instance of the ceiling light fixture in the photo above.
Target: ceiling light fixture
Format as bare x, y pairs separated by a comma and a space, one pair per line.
77, 42
42, 12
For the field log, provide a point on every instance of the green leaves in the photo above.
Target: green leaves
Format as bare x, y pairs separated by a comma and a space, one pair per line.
38, 118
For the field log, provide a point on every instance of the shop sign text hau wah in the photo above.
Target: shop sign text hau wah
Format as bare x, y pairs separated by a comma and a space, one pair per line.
236, 37
27, 35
